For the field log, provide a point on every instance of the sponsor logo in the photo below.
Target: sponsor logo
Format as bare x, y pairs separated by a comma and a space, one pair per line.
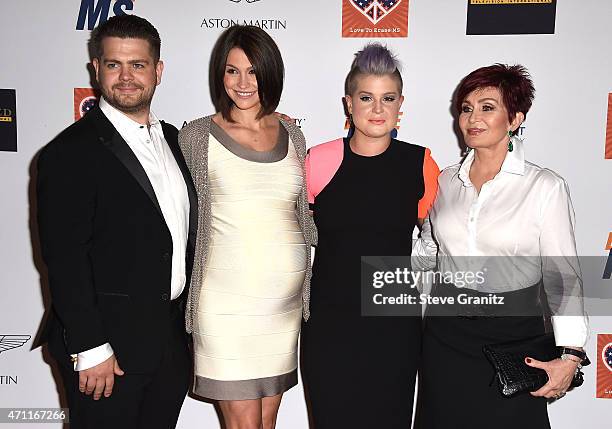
8, 379
9, 342
264, 24
6, 115
604, 366
374, 18
511, 16
8, 120
608, 269
375, 10
299, 122
85, 99
94, 12
608, 152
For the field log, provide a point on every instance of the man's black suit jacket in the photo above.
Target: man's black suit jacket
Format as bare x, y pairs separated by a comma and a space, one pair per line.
106, 245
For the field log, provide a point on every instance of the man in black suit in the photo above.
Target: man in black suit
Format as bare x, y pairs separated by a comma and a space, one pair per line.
117, 219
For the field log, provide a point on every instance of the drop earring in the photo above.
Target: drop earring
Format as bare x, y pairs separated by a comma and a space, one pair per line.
510, 145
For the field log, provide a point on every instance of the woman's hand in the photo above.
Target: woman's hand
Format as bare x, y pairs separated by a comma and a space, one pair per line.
284, 117
560, 374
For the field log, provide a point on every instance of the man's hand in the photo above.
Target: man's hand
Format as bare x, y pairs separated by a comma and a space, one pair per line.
100, 378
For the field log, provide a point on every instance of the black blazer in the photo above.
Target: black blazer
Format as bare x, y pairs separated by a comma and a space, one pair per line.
106, 245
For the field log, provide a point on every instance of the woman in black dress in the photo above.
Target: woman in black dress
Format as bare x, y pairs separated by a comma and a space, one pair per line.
367, 193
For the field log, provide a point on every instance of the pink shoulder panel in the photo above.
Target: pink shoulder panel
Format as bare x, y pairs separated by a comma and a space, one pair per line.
322, 162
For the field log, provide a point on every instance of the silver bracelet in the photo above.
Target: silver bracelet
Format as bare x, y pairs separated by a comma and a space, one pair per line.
567, 356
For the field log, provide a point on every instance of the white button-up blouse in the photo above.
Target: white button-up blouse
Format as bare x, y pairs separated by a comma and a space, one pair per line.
523, 218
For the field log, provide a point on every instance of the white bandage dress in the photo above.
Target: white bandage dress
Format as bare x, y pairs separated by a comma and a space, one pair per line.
250, 306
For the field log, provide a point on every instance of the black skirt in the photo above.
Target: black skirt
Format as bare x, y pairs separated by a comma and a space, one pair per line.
456, 381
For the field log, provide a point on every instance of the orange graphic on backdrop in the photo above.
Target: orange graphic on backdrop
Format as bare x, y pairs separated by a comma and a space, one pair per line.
604, 369
377, 18
84, 100
609, 129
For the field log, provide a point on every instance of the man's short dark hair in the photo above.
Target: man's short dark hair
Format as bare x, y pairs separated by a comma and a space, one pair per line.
267, 62
125, 27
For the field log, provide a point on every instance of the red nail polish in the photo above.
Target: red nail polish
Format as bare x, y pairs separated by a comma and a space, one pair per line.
528, 360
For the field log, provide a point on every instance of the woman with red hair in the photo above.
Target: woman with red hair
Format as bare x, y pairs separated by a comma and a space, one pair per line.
511, 223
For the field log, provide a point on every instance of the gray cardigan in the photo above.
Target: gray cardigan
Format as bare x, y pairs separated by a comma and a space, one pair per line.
193, 139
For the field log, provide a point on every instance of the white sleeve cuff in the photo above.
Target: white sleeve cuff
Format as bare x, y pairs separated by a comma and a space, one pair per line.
424, 250
92, 357
570, 331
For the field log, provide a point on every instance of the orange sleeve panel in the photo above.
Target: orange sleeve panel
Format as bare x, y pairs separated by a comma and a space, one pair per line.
430, 176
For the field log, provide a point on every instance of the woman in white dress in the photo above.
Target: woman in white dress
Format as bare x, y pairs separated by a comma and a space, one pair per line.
252, 255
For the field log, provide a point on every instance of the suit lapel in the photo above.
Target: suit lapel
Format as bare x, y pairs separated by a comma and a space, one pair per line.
112, 140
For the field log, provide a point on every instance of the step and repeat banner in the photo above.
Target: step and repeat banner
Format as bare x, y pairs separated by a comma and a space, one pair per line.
46, 84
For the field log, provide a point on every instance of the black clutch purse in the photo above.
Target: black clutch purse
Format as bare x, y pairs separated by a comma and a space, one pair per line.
513, 375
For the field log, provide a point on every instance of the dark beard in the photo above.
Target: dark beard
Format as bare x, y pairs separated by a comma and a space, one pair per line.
142, 104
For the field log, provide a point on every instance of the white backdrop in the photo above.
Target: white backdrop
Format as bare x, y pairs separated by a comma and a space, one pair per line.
44, 57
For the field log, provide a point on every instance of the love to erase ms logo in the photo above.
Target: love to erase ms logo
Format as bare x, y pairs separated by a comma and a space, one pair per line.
85, 99
374, 18
375, 10
97, 11
604, 366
